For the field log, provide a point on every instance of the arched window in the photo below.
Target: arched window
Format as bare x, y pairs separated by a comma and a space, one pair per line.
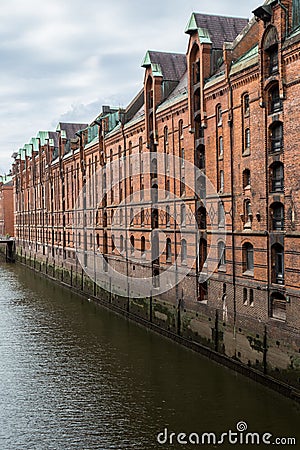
221, 214
276, 177
248, 258
277, 216
183, 251
168, 250
277, 254
276, 136
221, 253
154, 193
167, 215
278, 306
246, 178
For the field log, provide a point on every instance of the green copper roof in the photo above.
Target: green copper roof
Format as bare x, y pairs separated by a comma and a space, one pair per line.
192, 24
203, 33
28, 149
147, 60
35, 144
43, 136
156, 68
252, 52
204, 36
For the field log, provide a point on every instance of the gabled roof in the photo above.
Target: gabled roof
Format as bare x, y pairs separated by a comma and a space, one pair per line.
171, 66
215, 29
53, 138
70, 128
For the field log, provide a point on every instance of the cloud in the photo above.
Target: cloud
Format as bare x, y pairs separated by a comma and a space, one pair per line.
62, 60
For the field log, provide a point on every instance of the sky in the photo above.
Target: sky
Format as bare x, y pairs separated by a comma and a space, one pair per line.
61, 60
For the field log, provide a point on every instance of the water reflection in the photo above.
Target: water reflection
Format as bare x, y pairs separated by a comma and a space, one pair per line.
74, 376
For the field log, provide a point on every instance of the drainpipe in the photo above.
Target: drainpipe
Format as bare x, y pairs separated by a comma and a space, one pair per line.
178, 300
232, 205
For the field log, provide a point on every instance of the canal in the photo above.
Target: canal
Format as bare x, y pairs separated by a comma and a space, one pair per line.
76, 376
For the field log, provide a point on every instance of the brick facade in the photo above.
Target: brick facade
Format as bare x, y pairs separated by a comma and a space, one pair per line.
6, 206
229, 107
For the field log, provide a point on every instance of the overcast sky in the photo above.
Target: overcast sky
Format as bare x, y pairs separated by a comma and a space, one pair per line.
61, 60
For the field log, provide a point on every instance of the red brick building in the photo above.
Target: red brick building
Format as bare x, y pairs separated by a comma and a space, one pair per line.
229, 109
6, 206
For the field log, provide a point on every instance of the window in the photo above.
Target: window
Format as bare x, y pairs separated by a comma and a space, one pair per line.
200, 157
276, 177
221, 254
277, 253
143, 246
142, 217
221, 148
276, 136
246, 178
201, 218
247, 214
131, 217
201, 187
251, 297
183, 251
247, 138
248, 259
221, 181
278, 306
167, 215
245, 296
202, 254
182, 186
168, 250
275, 103
221, 215
132, 245
273, 60
246, 105
219, 115
296, 13
277, 216
166, 135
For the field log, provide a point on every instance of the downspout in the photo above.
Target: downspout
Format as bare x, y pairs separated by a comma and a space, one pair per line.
230, 122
